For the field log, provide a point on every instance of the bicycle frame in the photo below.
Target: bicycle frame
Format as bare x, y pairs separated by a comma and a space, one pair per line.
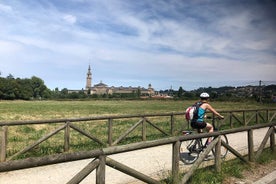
200, 144
192, 148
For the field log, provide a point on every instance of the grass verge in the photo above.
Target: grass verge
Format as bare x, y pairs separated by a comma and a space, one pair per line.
233, 168
230, 169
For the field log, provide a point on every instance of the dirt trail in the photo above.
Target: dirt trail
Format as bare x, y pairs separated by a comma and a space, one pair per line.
152, 161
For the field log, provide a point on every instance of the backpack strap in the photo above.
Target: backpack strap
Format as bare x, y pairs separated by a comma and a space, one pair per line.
197, 105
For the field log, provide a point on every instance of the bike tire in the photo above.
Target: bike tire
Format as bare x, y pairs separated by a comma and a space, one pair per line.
223, 150
186, 154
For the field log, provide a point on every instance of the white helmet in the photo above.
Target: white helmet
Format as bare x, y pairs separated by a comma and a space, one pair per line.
204, 95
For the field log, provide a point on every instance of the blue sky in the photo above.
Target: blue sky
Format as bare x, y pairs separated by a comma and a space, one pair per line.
168, 43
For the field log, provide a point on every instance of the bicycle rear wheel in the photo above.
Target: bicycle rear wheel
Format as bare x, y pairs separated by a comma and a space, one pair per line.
189, 151
223, 150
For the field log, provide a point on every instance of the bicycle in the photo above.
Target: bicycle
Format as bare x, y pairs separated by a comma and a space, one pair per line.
191, 149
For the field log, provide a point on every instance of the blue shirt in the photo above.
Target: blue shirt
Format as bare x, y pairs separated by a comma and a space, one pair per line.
201, 114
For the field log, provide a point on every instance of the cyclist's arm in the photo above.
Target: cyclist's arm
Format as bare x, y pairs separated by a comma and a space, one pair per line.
210, 108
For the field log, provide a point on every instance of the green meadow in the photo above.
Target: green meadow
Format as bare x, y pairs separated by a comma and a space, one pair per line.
38, 110
21, 136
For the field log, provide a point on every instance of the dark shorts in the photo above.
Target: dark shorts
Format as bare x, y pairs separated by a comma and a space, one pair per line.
198, 125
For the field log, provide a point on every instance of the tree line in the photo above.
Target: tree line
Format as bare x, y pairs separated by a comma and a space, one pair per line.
15, 88
34, 88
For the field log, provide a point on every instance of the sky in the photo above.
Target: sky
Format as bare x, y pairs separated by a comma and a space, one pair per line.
165, 43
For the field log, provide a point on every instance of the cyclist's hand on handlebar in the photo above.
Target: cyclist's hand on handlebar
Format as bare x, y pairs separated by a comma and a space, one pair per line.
221, 117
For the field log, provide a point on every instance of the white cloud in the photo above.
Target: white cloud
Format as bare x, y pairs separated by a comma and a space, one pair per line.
70, 19
7, 47
5, 8
138, 41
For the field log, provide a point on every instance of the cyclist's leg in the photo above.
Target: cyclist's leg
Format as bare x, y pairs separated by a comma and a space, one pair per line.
204, 125
210, 129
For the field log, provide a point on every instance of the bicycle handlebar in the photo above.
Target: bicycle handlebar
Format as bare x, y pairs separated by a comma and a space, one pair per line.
213, 122
210, 117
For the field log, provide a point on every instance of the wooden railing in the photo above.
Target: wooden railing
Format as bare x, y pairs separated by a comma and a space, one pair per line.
101, 159
234, 118
249, 117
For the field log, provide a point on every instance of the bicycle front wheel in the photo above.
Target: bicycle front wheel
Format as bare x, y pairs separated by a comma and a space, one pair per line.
188, 151
223, 150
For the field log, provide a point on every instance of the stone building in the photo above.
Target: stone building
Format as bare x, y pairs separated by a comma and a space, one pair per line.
102, 88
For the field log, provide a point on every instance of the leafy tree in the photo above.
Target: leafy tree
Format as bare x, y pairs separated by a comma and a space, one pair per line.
180, 92
189, 95
47, 93
10, 76
38, 86
73, 95
25, 89
11, 88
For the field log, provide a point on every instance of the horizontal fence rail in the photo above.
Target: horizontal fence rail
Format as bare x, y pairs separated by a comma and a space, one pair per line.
268, 115
101, 159
233, 118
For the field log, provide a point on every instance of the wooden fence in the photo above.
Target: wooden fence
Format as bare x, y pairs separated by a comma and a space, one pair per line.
101, 158
234, 118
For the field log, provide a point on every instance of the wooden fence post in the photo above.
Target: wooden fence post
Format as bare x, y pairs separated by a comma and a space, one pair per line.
218, 155
262, 146
272, 140
267, 115
144, 129
4, 138
100, 171
244, 118
213, 120
198, 162
175, 161
257, 116
231, 121
110, 124
66, 137
172, 124
250, 145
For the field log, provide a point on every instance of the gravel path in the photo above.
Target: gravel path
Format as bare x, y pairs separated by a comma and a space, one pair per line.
155, 162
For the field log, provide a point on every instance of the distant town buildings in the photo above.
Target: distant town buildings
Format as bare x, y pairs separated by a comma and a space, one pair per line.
102, 88
260, 93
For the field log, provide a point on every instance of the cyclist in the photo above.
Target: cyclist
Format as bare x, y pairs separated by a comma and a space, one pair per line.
198, 121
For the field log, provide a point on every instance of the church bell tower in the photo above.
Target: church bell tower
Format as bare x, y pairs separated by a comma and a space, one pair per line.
88, 79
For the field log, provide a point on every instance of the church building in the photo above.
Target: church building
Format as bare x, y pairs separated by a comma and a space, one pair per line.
102, 88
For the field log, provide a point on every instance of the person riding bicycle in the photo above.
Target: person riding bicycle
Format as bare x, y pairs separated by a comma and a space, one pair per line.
198, 121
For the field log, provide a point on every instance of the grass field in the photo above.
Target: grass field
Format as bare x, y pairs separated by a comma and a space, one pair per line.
22, 136
37, 110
